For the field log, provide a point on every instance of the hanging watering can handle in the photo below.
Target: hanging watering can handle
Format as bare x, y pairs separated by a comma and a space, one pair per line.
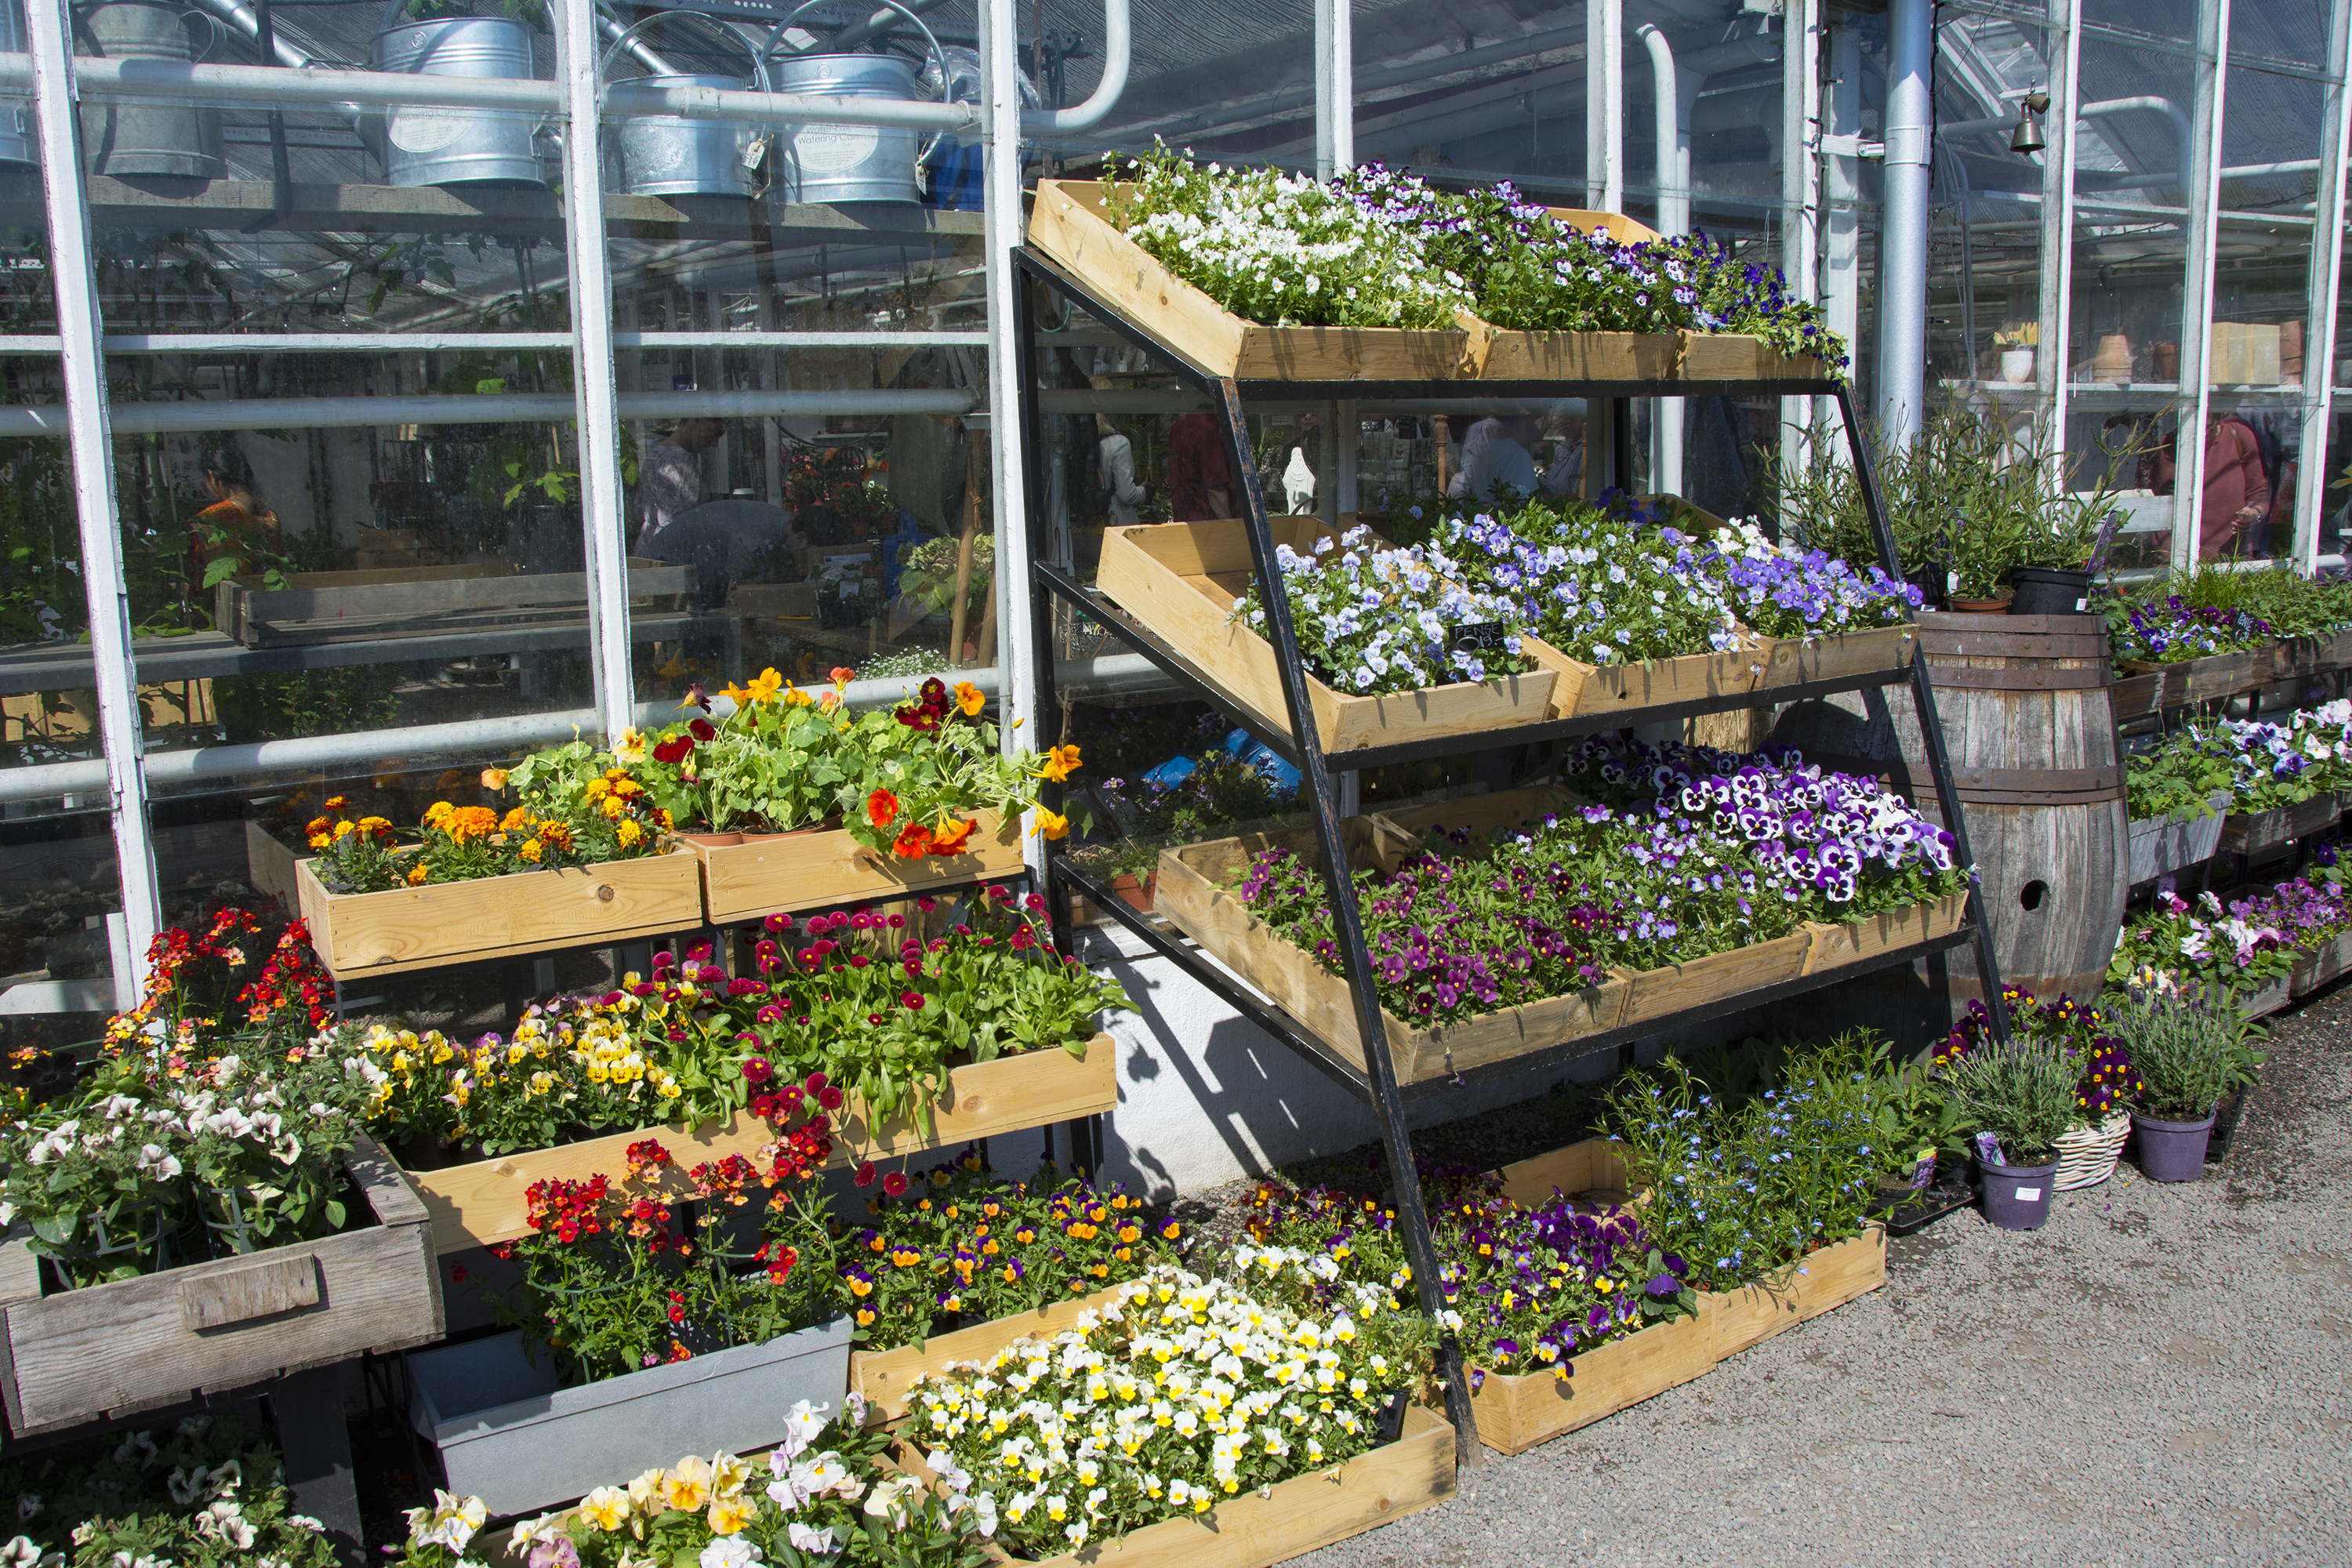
760, 61
620, 42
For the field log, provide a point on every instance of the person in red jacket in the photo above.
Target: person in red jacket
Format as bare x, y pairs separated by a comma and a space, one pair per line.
1200, 479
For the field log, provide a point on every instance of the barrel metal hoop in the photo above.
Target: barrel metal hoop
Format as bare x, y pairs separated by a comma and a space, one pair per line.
2014, 677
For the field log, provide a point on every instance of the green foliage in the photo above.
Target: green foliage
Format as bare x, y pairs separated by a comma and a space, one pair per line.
2025, 1096
206, 1493
1740, 1187
305, 702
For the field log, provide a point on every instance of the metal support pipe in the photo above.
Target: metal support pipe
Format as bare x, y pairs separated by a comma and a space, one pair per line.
504, 408
1670, 121
874, 27
2324, 284
2058, 219
1118, 51
1018, 642
249, 22
2201, 193
90, 443
107, 81
1903, 243
1841, 196
1604, 105
1335, 87
616, 31
598, 406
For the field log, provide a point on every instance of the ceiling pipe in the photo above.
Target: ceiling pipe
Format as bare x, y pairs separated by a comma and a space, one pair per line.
1670, 94
1119, 49
1903, 245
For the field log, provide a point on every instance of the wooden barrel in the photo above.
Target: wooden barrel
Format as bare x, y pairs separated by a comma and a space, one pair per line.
2028, 725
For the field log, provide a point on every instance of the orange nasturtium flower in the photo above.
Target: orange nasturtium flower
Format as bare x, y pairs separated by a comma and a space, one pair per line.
843, 674
1051, 824
914, 841
882, 808
1060, 762
969, 698
494, 778
947, 838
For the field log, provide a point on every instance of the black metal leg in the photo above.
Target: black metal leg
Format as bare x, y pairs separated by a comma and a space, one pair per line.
308, 1411
1041, 619
1388, 1105
1931, 728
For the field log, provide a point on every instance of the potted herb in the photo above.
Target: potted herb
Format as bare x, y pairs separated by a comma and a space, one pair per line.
1912, 1117
2185, 1044
2021, 1101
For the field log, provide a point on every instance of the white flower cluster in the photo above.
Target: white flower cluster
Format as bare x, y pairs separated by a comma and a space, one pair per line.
1372, 620
1183, 1391
1286, 250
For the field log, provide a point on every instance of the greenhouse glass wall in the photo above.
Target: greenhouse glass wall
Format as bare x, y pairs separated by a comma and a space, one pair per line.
588, 352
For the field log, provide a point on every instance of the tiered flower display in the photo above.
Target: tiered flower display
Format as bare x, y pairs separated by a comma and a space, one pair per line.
1184, 1392
585, 821
1685, 852
2237, 947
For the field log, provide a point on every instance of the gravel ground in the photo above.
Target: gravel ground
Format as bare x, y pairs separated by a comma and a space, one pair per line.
2158, 1376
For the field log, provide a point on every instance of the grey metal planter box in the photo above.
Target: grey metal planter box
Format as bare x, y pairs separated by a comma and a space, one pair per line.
509, 1436
2164, 844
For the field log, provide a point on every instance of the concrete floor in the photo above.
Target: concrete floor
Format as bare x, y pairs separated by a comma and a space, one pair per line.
2158, 1376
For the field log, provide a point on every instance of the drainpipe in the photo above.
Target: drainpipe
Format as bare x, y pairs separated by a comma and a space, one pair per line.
1673, 95
1604, 106
1118, 48
1903, 253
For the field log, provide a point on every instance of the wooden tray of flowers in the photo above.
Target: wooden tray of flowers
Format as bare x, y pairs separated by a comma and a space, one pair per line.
484, 1201
2252, 833
1196, 891
1755, 669
1072, 226
111, 1349
770, 873
1515, 1412
1179, 580
884, 1377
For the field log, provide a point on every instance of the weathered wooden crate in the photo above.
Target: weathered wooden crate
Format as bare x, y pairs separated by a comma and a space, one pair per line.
406, 928
329, 608
1180, 580
1289, 1519
2309, 656
2318, 967
111, 1350
887, 1377
2254, 833
770, 873
2163, 844
482, 1202
1196, 891
2155, 688
2271, 998
1071, 227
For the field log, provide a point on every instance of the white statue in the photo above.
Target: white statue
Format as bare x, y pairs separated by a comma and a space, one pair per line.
1298, 483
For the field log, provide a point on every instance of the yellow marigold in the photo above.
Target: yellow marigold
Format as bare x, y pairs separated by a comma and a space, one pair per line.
598, 789
557, 833
417, 875
438, 812
333, 803
320, 840
375, 823
519, 817
470, 822
531, 851
345, 828
613, 806
630, 834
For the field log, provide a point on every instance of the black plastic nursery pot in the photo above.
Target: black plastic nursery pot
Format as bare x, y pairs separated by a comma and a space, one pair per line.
2172, 1151
2049, 590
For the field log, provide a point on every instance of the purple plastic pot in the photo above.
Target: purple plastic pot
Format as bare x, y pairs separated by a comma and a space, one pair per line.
2172, 1151
2017, 1197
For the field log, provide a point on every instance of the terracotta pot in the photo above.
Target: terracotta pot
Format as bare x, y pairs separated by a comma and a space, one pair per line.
713, 840
1136, 895
2114, 359
2167, 361
1980, 606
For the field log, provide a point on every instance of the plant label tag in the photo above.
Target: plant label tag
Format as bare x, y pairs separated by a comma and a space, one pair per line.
1989, 1149
2029, 1194
1477, 636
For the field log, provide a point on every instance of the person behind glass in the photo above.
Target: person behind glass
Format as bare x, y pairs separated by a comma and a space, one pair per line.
2236, 497
1200, 479
670, 481
1115, 467
236, 523
1506, 457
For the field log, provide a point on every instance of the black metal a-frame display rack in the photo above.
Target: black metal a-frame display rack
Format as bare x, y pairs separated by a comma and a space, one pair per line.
1376, 1085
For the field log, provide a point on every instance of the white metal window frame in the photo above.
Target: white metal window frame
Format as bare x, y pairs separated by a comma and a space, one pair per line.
58, 81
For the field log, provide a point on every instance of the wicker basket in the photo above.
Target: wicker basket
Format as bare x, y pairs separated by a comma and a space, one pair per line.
2088, 1155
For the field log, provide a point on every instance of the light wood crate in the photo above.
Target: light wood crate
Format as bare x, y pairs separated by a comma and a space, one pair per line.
133, 1344
775, 873
1071, 227
1291, 1518
1180, 580
1196, 891
482, 1202
408, 929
